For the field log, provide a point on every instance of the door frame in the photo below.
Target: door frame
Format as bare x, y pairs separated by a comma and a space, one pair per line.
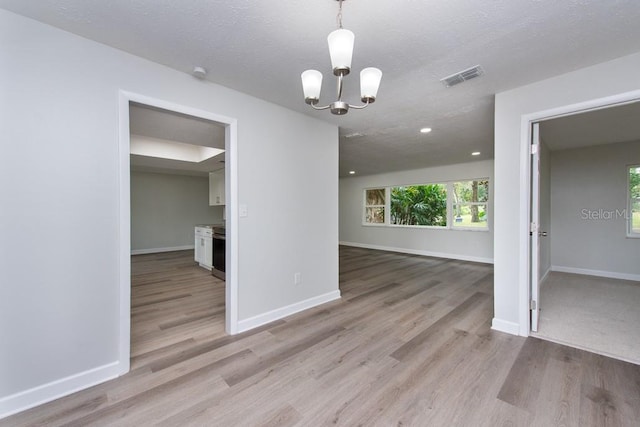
124, 232
526, 125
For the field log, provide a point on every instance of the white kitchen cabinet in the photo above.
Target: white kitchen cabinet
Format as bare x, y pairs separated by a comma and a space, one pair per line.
197, 248
216, 188
203, 253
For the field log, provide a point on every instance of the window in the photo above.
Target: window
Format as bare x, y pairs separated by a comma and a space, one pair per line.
457, 205
634, 201
419, 205
470, 203
375, 203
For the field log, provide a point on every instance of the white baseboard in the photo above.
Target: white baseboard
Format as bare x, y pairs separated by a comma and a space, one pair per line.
598, 273
158, 250
544, 276
505, 326
279, 313
420, 252
39, 395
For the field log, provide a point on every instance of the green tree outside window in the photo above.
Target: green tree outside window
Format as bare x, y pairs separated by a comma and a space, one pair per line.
419, 205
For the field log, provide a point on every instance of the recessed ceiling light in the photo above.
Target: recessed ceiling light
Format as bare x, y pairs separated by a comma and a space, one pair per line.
352, 172
475, 153
425, 130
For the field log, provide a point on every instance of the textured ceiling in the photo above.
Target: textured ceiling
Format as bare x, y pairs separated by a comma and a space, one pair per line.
172, 126
604, 126
162, 124
261, 47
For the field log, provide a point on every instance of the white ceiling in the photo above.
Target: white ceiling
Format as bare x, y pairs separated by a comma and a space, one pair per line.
603, 126
157, 123
261, 47
165, 125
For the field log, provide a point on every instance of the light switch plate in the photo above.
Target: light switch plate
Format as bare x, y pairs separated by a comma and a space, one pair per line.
243, 211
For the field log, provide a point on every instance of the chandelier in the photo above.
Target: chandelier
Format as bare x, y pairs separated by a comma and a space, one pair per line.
341, 51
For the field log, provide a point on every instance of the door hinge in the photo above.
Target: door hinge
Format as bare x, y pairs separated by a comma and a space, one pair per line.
532, 305
534, 149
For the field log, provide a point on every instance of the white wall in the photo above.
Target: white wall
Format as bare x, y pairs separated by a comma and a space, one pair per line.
459, 244
593, 179
546, 98
165, 209
59, 222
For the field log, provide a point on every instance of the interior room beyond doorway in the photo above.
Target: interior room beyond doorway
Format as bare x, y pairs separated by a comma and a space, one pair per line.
598, 314
590, 277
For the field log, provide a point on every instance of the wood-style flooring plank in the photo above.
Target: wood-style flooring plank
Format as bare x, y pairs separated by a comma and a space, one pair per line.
438, 327
408, 344
116, 410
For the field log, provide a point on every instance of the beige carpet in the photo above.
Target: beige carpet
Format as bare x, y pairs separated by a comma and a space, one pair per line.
592, 313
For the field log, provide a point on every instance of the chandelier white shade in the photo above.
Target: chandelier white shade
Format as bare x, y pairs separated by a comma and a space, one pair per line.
312, 84
341, 50
341, 43
369, 83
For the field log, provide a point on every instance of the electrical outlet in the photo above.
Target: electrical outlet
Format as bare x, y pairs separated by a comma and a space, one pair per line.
297, 278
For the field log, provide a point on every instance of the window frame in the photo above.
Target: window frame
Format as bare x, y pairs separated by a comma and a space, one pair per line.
385, 207
630, 201
449, 185
485, 203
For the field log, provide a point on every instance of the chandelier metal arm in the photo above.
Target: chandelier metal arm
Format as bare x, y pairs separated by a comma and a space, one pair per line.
360, 107
339, 91
326, 107
339, 107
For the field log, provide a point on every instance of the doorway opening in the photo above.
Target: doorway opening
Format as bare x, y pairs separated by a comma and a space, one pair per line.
143, 120
174, 296
583, 270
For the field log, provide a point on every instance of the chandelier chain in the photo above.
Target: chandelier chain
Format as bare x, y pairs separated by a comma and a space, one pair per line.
339, 17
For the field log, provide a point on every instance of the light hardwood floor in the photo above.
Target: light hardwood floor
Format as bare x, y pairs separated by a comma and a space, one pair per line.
409, 344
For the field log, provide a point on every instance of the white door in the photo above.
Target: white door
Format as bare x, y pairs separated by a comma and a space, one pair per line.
534, 227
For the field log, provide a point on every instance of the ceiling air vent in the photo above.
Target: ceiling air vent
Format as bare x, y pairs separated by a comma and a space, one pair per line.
462, 76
